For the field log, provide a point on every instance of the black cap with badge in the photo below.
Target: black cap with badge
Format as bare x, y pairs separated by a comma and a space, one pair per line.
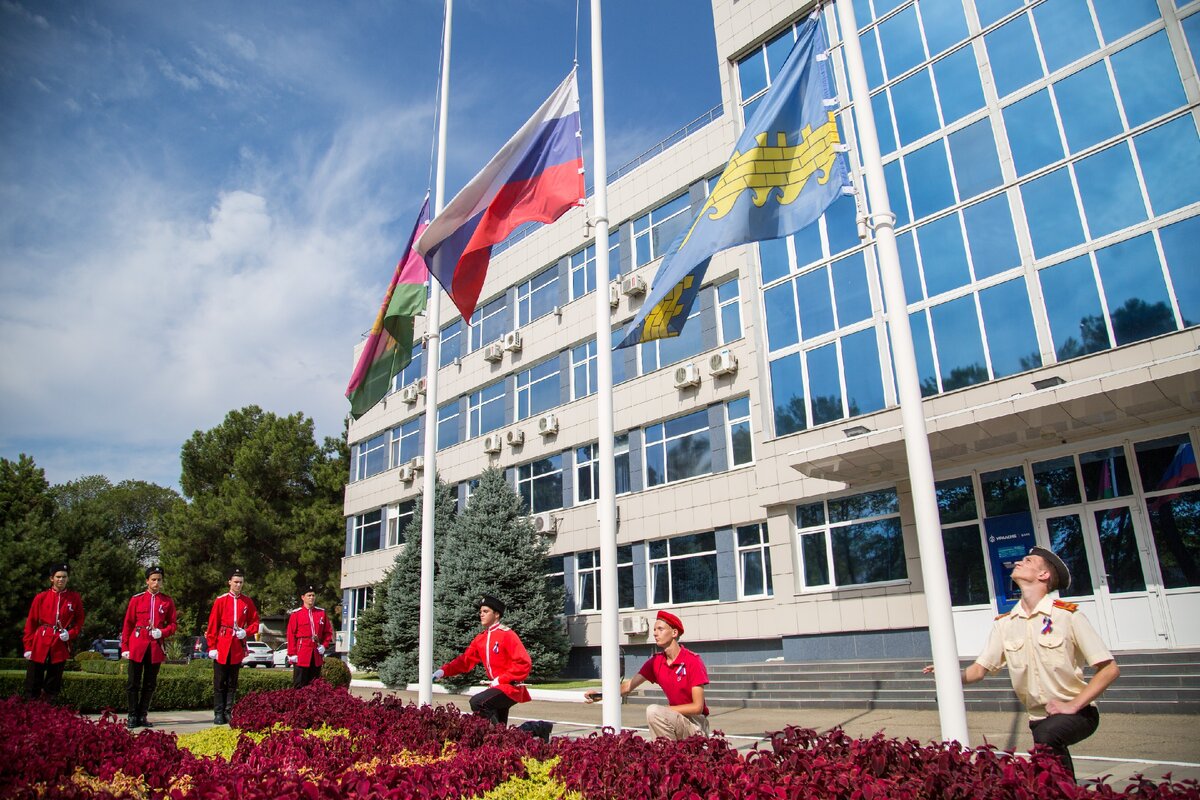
236, 572
59, 566
494, 603
155, 568
1062, 575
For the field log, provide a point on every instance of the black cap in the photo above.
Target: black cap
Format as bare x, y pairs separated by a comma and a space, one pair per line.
153, 569
1062, 575
58, 566
306, 588
236, 572
494, 603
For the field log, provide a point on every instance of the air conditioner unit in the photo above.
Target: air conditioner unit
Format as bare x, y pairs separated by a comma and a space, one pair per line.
544, 523
409, 394
494, 351
722, 363
419, 385
687, 375
634, 625
417, 463
512, 342
633, 285
614, 294
407, 473
342, 642
515, 437
492, 442
547, 425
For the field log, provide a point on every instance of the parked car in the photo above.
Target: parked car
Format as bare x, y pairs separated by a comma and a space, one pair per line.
259, 654
111, 649
281, 656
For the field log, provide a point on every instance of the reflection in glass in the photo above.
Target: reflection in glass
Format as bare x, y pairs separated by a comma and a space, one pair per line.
1013, 55
1066, 540
1033, 132
1056, 482
860, 506
787, 395
990, 237
1073, 309
864, 381
1135, 290
1170, 159
1051, 213
959, 346
901, 41
816, 562
943, 255
944, 23
868, 552
1166, 463
773, 258
1066, 31
1105, 474
916, 111
976, 165
1175, 523
694, 580
908, 267
1004, 491
968, 578
1008, 323
1109, 189
851, 290
893, 175
1088, 108
816, 305
956, 500
1148, 79
929, 180
1118, 19
1119, 548
1183, 262
924, 353
882, 107
824, 384
780, 306
959, 89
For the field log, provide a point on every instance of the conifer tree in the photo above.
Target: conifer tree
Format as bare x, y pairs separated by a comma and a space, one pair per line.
370, 648
492, 549
401, 609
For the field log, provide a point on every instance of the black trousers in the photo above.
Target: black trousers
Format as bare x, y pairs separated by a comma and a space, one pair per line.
492, 705
44, 677
1059, 731
143, 680
303, 676
225, 680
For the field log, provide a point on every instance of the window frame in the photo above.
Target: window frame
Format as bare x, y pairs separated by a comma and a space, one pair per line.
763, 546
827, 527
669, 559
706, 430
527, 291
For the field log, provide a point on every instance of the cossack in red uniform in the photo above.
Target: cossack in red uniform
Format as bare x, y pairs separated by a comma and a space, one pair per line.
146, 612
504, 658
308, 629
228, 614
50, 614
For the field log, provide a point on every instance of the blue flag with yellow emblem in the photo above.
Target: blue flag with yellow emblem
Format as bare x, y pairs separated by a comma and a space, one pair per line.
785, 170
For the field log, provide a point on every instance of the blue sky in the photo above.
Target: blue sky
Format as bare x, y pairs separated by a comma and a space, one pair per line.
202, 203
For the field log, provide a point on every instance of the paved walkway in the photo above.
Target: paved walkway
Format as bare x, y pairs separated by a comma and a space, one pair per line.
1126, 744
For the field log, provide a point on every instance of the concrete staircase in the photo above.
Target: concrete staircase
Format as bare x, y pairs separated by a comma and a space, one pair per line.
1161, 682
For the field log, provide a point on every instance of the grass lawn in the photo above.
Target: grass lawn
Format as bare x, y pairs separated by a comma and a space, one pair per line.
566, 684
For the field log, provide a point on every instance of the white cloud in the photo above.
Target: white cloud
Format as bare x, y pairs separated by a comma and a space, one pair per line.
25, 14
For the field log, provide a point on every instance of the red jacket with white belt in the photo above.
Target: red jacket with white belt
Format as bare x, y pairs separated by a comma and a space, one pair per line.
229, 612
306, 629
50, 613
500, 651
145, 612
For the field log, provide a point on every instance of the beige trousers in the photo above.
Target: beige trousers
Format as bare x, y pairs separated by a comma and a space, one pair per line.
667, 724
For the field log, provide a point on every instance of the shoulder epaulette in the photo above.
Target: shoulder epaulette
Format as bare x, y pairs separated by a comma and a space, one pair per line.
505, 628
1000, 616
294, 610
317, 608
1065, 606
139, 594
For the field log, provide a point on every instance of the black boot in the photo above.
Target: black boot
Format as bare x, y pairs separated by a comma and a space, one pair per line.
219, 709
229, 698
143, 708
133, 720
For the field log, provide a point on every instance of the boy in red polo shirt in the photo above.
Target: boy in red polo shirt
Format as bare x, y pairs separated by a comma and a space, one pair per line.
682, 676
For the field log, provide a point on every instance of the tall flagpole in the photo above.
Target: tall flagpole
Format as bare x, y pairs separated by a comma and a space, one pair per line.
606, 502
952, 710
433, 355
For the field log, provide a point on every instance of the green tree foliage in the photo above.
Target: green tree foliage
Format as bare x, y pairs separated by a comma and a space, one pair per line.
263, 496
493, 549
26, 547
402, 604
370, 648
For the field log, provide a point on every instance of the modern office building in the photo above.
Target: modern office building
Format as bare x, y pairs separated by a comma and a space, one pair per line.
1043, 162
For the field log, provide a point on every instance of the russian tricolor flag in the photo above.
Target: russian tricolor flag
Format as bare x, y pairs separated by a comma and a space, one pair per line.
537, 176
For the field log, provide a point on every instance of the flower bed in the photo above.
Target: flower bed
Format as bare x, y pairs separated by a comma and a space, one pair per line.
320, 742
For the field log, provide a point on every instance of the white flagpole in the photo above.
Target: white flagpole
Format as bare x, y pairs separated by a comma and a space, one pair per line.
948, 680
606, 502
433, 354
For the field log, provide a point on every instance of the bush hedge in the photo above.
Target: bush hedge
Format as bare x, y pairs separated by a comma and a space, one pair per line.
335, 672
21, 663
178, 688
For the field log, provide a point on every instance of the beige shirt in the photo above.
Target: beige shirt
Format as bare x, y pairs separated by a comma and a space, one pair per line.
1045, 660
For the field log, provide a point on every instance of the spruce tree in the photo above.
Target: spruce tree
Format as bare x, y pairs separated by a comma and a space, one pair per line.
492, 549
370, 648
401, 609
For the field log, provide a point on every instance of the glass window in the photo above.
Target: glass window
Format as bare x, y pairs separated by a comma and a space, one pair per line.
959, 346
913, 288
1118, 544
1008, 322
958, 86
587, 473
1088, 108
1170, 160
1066, 31
944, 23
1148, 79
1056, 482
901, 41
841, 224
866, 545
413, 371
824, 384
956, 501
1066, 539
787, 395
991, 238
1179, 246
373, 456
1073, 309
664, 352
367, 528
1118, 19
1165, 464
881, 106
1004, 491
678, 449
816, 303
447, 424
587, 568
1175, 523
943, 255
754, 561
963, 547
683, 569
777, 52
741, 440
485, 410
1109, 189
991, 10
1013, 55
398, 522
923, 347
489, 323
653, 233
540, 484
537, 296
932, 190
893, 175
916, 111
864, 381
850, 289
538, 388
406, 441
452, 343
582, 265
1051, 212
1134, 289
1033, 132
583, 368
773, 257
1105, 474
556, 575
752, 74
729, 312
976, 165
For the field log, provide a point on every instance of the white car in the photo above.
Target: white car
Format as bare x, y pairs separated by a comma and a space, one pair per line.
281, 656
259, 654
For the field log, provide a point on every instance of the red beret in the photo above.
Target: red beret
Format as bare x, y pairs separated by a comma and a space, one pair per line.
672, 620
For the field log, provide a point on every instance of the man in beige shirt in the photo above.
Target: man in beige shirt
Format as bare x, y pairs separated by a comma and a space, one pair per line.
1045, 644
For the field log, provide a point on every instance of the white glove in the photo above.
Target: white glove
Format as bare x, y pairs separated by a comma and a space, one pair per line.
155, 633
240, 633
294, 659
29, 654
321, 649
64, 635
212, 654
495, 682
438, 674
125, 655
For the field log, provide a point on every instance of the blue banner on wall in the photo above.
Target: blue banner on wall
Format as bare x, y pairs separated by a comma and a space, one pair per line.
1009, 538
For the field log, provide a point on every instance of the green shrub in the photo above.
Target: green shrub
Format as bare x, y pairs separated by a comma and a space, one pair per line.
102, 667
335, 672
21, 663
203, 664
88, 655
178, 688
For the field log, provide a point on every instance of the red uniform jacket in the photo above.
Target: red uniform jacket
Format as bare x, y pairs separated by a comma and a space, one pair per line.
229, 612
50, 613
307, 629
146, 611
500, 651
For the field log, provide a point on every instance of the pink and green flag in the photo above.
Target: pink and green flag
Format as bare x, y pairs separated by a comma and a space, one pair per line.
389, 346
